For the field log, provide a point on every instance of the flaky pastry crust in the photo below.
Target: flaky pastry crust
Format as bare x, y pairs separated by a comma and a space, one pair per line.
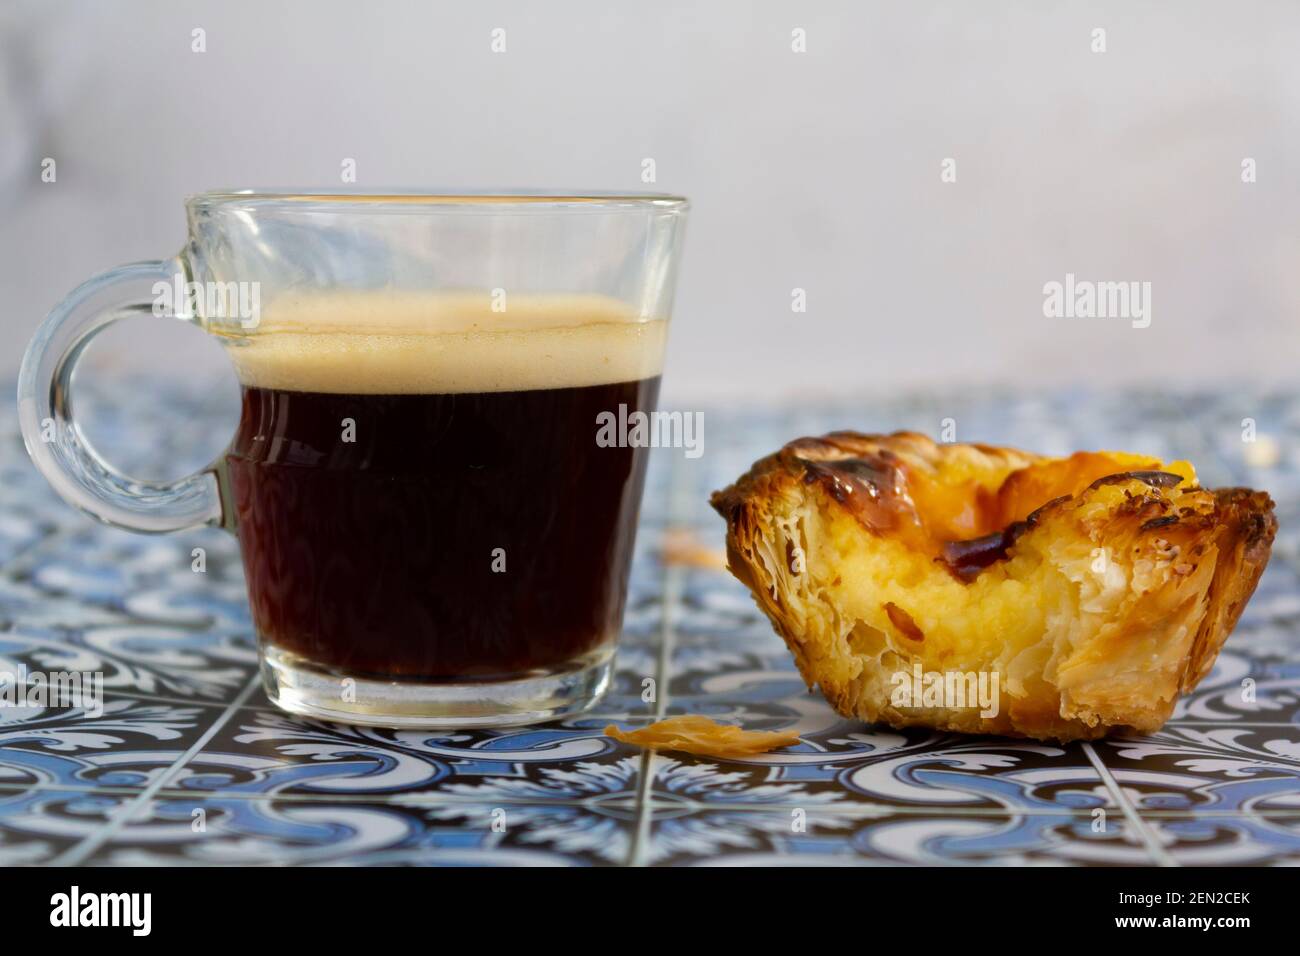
697, 734
1089, 591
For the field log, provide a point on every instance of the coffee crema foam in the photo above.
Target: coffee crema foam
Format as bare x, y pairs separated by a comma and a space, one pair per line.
426, 344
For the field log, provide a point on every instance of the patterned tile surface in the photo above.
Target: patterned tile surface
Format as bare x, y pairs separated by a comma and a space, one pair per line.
189, 763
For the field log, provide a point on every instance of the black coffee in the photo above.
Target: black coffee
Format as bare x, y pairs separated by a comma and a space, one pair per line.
467, 535
420, 490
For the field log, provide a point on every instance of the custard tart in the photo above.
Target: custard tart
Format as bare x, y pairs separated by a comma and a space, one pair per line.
981, 589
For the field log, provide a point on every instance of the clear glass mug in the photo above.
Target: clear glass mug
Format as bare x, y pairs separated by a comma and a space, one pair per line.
432, 533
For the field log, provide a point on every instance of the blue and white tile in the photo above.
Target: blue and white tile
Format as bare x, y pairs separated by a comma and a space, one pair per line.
1213, 840
163, 661
42, 826
1208, 769
128, 745
811, 836
268, 754
215, 831
1248, 684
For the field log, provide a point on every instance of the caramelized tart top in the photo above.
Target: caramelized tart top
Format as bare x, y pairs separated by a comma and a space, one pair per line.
965, 506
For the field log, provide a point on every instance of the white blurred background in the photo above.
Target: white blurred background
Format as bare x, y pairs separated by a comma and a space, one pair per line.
817, 170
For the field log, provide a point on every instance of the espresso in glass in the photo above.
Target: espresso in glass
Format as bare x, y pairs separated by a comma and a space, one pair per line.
419, 492
435, 527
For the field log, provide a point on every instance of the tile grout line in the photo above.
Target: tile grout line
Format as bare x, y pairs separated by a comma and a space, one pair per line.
77, 854
182, 701
672, 581
1158, 853
847, 810
663, 668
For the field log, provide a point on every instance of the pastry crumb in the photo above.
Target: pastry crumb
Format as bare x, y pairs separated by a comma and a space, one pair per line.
696, 734
681, 547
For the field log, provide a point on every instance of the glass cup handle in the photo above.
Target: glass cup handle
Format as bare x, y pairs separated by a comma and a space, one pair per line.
57, 446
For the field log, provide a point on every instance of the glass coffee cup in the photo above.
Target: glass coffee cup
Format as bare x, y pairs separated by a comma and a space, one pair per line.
432, 533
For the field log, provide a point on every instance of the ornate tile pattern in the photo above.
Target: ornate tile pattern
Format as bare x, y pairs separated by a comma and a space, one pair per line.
188, 762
